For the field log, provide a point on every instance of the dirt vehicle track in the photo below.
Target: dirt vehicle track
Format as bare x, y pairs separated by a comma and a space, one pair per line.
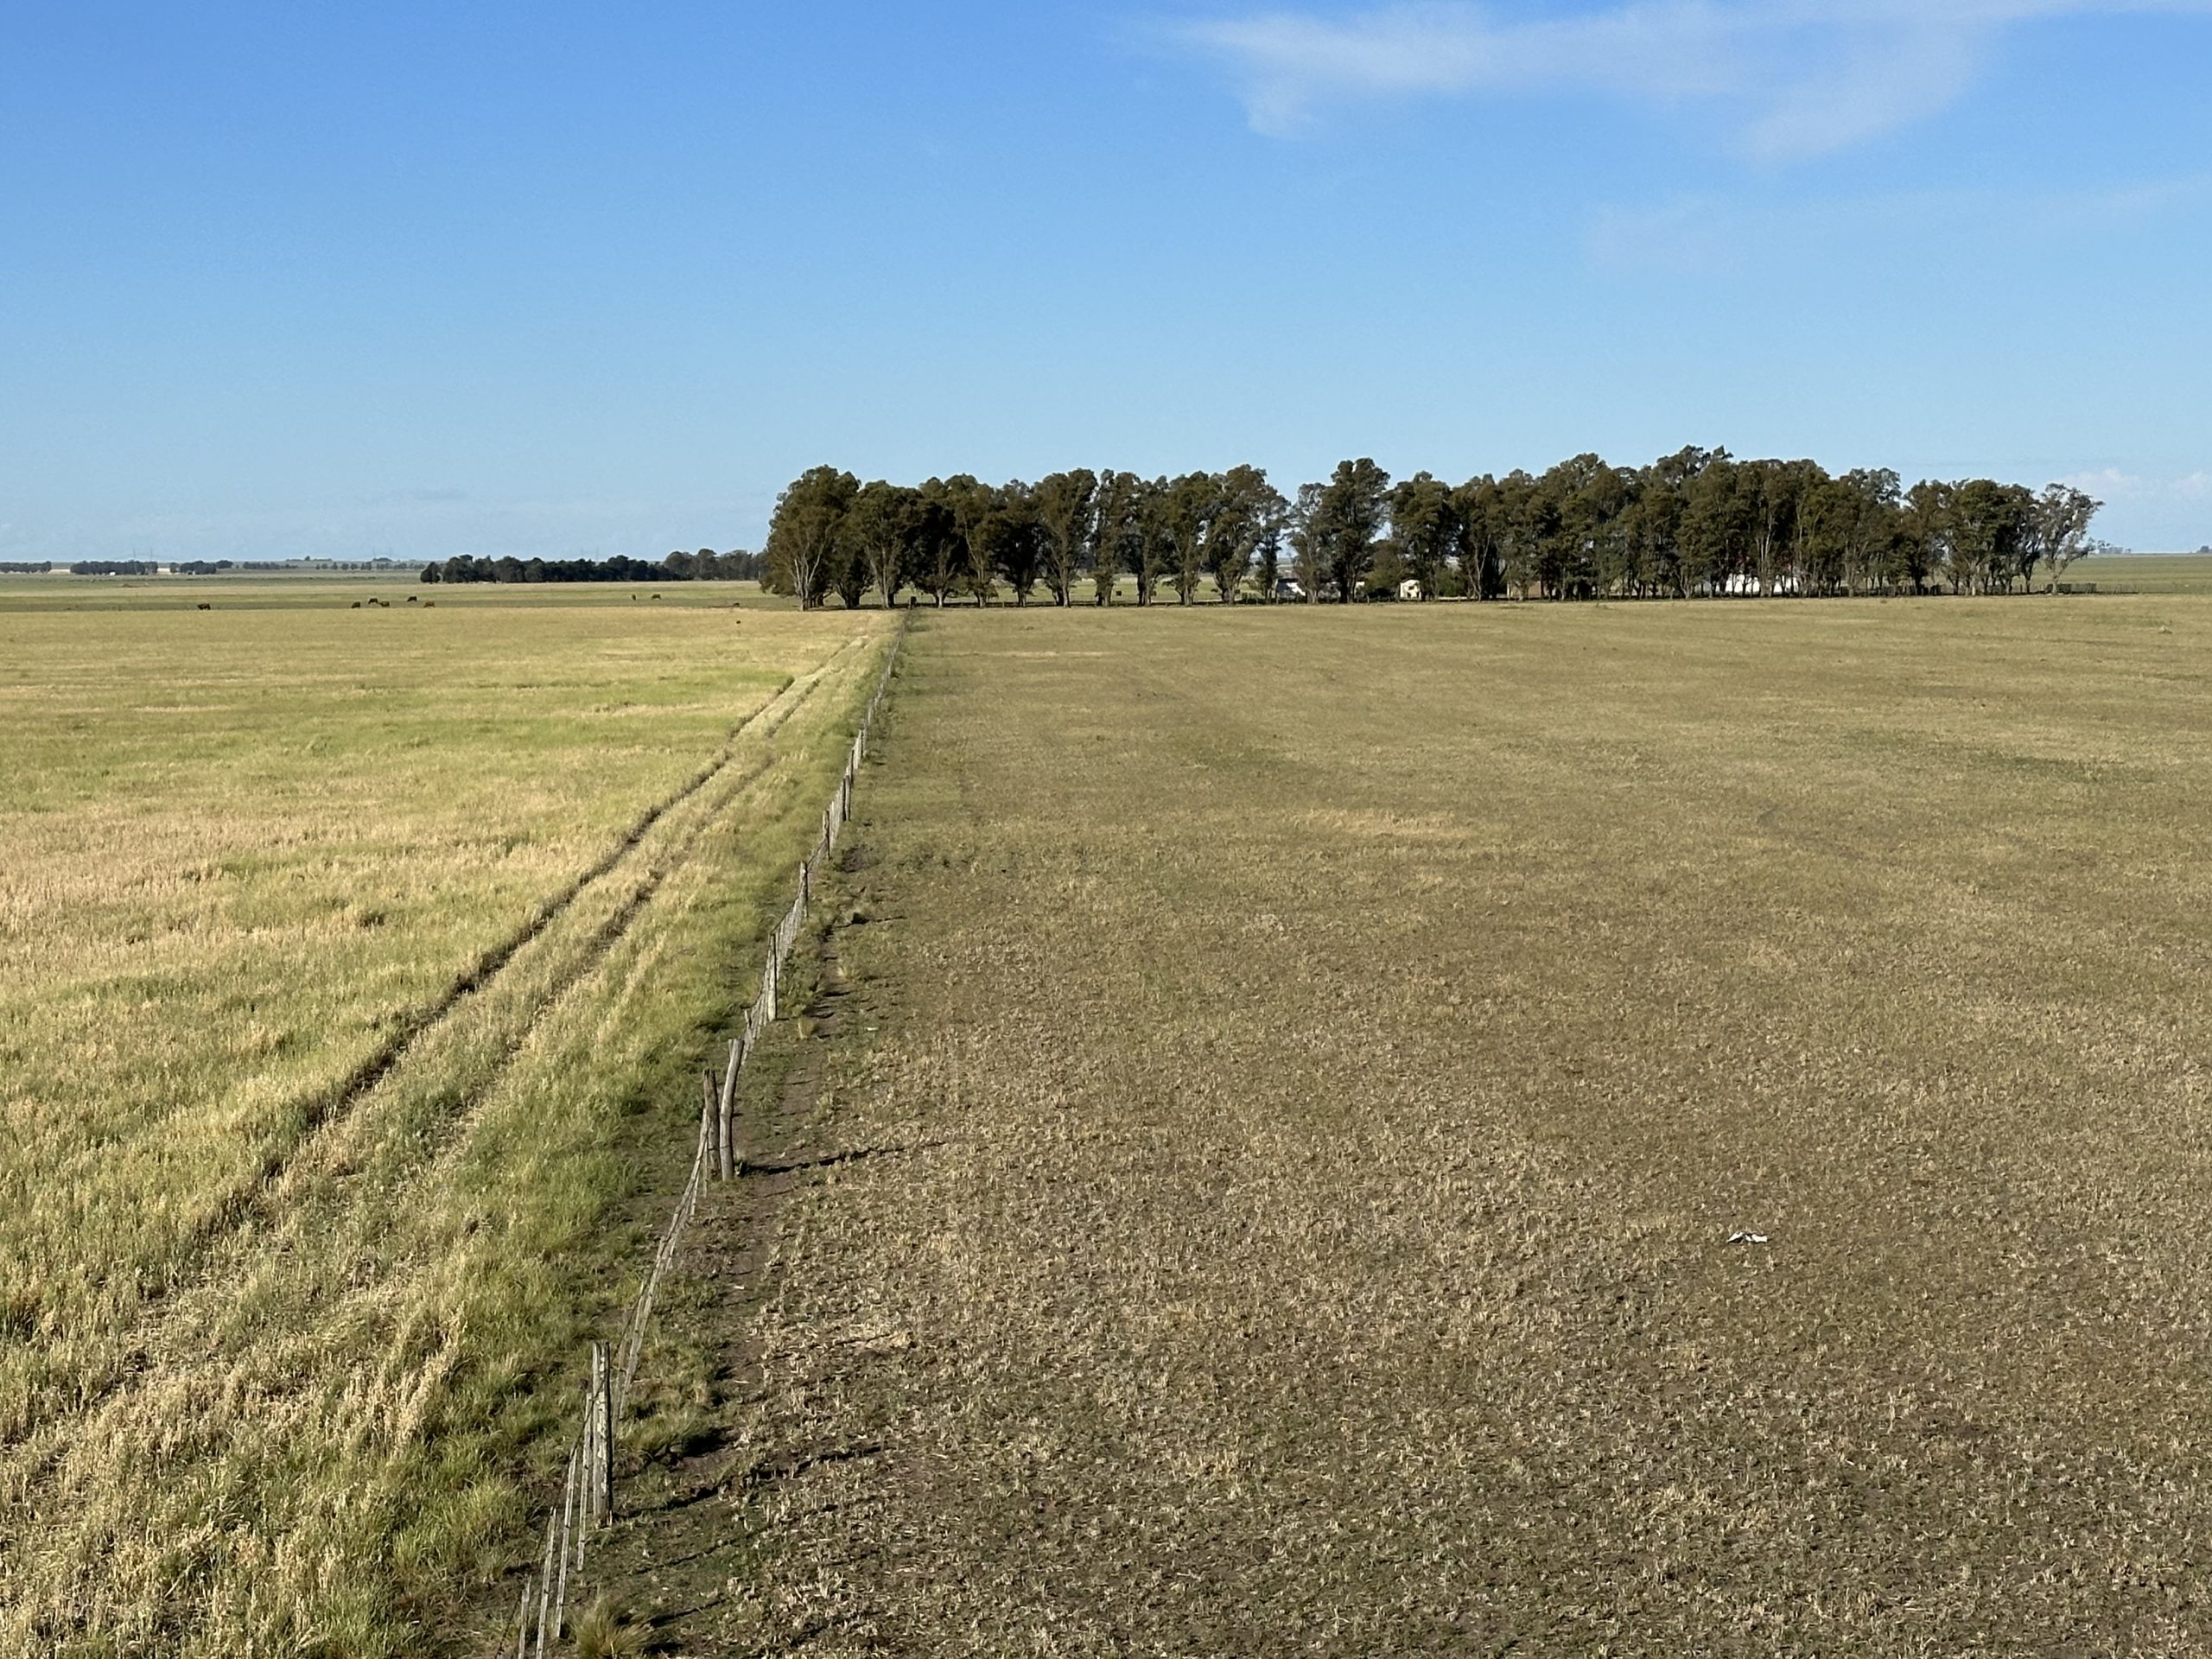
633, 867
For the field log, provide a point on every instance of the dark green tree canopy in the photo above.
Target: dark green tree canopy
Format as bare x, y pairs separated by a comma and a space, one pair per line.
937, 556
1249, 513
1426, 529
1348, 515
1697, 523
1193, 503
1068, 512
880, 530
806, 538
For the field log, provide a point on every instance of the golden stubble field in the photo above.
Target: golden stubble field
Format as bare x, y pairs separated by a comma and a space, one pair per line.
1328, 1055
353, 965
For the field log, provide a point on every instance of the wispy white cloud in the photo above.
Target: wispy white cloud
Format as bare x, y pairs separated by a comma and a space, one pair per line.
1793, 78
1708, 235
2117, 485
2107, 482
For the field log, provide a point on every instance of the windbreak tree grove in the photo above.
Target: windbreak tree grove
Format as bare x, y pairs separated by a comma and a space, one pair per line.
1697, 523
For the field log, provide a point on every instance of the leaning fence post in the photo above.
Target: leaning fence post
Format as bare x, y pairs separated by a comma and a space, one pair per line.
710, 1117
578, 1464
728, 1131
703, 1151
545, 1583
603, 1408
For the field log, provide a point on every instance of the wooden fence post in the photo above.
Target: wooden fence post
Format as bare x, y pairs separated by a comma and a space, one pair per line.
728, 1132
579, 1465
545, 1582
710, 1117
603, 1408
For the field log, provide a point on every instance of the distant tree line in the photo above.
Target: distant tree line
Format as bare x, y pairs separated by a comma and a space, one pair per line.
204, 567
705, 565
1697, 523
119, 567
266, 566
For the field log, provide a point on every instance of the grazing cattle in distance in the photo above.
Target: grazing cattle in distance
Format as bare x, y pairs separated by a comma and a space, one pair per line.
205, 606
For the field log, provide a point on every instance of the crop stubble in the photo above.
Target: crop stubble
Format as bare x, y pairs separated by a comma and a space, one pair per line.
1343, 1046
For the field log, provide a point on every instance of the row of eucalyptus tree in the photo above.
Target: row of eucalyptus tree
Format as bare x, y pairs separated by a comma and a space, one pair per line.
1696, 522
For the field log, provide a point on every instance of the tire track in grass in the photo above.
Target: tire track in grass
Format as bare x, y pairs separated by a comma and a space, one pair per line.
256, 1198
337, 1102
43, 1458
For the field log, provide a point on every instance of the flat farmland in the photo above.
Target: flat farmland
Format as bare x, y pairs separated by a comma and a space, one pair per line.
1605, 1128
2149, 573
354, 968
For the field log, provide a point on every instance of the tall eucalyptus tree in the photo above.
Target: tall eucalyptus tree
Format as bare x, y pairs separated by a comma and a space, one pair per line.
1192, 503
1248, 526
1425, 525
806, 535
1067, 510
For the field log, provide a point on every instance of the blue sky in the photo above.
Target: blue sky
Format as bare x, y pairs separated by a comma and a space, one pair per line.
559, 278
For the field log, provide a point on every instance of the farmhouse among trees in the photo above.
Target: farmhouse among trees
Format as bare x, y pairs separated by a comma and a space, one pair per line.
1697, 523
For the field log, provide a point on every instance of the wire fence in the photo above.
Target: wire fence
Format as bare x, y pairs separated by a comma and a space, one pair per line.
586, 1501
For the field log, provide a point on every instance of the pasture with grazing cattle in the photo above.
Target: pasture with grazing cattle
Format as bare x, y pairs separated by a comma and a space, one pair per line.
1621, 1129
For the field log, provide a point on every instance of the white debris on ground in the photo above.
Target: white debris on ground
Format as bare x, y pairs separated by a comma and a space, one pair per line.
1742, 1236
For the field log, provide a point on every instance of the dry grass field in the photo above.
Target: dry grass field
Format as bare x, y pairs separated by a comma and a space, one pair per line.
1311, 1066
354, 966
